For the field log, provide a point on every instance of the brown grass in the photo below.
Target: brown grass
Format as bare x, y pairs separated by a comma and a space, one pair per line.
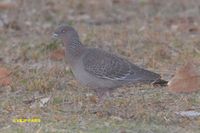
156, 34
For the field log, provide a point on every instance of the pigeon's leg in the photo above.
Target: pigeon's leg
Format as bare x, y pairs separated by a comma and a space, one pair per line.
101, 97
102, 94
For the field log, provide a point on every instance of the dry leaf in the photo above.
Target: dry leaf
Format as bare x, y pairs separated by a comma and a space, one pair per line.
186, 79
72, 82
4, 76
183, 24
93, 99
189, 113
44, 101
7, 5
57, 54
59, 117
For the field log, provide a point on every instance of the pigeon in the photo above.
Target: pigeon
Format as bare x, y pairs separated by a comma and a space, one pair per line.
98, 69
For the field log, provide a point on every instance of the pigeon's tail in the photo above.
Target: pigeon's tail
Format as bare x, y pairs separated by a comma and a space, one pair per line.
160, 82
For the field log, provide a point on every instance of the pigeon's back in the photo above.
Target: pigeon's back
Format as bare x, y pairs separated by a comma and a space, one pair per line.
108, 66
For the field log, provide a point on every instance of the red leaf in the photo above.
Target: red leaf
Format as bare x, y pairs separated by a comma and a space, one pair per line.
7, 5
57, 54
186, 79
4, 76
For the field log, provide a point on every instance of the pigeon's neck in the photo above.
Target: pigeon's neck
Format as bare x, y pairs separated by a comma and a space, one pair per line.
73, 48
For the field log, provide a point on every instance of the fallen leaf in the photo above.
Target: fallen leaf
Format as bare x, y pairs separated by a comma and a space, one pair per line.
183, 24
99, 114
117, 118
7, 5
32, 100
57, 54
186, 79
189, 113
44, 101
123, 131
29, 101
37, 101
122, 1
93, 99
59, 117
72, 82
4, 76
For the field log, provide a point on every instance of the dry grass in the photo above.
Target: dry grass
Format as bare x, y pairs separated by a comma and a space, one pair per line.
156, 34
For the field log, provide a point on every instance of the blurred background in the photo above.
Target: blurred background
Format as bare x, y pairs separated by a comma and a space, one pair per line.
36, 81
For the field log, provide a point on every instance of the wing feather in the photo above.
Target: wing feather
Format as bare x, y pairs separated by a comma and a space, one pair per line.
106, 65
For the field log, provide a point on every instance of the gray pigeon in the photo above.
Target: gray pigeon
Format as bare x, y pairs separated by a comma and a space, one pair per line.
98, 69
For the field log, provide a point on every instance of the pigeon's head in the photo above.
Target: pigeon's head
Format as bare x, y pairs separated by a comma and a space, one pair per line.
65, 32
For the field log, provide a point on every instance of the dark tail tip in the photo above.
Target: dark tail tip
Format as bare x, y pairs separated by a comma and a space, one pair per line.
160, 82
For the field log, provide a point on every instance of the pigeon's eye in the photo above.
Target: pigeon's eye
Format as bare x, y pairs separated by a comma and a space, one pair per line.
63, 31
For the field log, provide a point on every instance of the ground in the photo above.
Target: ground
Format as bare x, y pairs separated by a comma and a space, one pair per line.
158, 35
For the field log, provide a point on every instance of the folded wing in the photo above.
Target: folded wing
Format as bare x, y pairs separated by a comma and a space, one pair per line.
108, 66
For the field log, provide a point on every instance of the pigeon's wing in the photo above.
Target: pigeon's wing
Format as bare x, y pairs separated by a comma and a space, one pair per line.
108, 66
